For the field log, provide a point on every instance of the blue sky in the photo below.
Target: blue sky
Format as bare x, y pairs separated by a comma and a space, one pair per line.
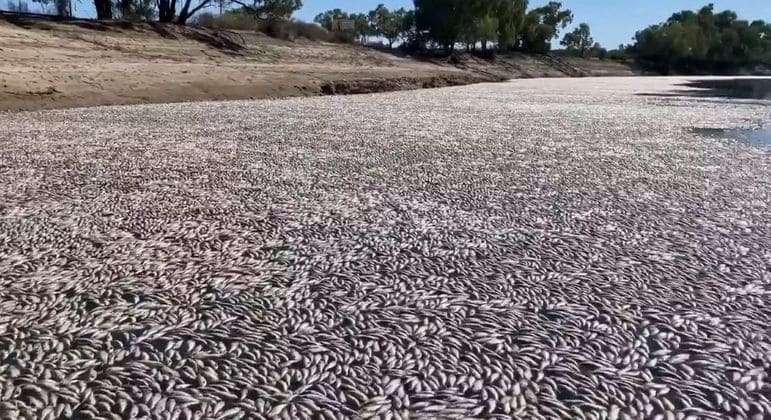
612, 21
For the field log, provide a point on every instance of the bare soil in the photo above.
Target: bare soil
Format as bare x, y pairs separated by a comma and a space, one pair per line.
46, 64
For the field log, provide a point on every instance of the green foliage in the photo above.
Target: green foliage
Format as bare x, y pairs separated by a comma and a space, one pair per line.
704, 41
135, 10
362, 27
446, 22
236, 19
579, 41
407, 27
542, 25
384, 23
440, 20
474, 23
598, 51
620, 54
392, 25
270, 9
327, 18
511, 22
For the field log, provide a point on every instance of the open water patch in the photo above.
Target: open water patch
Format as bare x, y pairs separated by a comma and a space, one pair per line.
732, 88
737, 88
756, 137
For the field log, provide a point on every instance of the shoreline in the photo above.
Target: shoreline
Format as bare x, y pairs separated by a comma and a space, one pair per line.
60, 65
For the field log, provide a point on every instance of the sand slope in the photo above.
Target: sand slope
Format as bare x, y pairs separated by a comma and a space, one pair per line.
57, 65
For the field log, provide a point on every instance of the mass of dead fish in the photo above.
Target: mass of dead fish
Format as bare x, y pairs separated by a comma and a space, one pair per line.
536, 249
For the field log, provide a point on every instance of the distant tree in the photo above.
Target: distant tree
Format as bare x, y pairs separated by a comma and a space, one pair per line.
361, 22
542, 25
361, 25
447, 22
327, 19
511, 22
441, 20
488, 30
386, 23
580, 40
18, 7
60, 7
270, 9
136, 10
407, 27
167, 10
261, 9
479, 23
704, 41
506, 24
618, 54
598, 51
103, 9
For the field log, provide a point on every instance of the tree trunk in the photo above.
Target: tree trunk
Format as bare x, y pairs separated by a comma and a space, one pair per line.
103, 9
186, 13
63, 8
166, 10
125, 9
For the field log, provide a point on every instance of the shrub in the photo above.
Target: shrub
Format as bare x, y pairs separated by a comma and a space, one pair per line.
229, 20
311, 31
275, 28
292, 29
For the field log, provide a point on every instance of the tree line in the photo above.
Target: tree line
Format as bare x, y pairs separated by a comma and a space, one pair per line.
473, 24
689, 41
703, 41
168, 11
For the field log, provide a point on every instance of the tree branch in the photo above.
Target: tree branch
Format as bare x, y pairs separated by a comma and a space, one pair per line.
197, 8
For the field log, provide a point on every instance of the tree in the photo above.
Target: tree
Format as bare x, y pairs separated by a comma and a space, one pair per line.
511, 22
103, 9
361, 26
580, 40
261, 9
18, 7
598, 51
704, 41
270, 9
61, 7
136, 10
479, 23
407, 27
386, 23
327, 19
488, 30
543, 24
440, 20
167, 10
445, 23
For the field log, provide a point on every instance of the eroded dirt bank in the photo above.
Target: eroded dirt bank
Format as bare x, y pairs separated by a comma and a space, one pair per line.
61, 65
